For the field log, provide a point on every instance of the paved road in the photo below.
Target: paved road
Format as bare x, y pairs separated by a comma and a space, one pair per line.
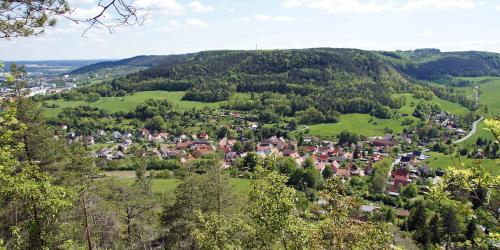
471, 133
474, 124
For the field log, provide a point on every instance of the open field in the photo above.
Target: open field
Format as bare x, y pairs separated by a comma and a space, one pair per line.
441, 161
359, 123
129, 102
241, 186
450, 107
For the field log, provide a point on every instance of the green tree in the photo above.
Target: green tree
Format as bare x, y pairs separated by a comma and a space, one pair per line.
327, 172
337, 230
410, 191
274, 214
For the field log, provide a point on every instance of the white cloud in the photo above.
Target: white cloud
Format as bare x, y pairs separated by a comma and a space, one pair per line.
231, 10
339, 6
427, 33
497, 7
162, 6
173, 25
199, 7
439, 5
268, 18
84, 13
363, 6
196, 22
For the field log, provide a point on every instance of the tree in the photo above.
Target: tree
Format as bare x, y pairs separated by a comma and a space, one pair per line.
31, 189
418, 216
274, 213
308, 163
156, 123
435, 229
250, 162
410, 191
20, 18
346, 137
337, 230
200, 202
380, 175
327, 172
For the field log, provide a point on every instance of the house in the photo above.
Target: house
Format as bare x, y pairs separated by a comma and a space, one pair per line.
203, 136
343, 173
202, 149
402, 213
100, 132
104, 152
116, 135
320, 166
118, 155
144, 133
367, 208
89, 140
127, 135
183, 144
63, 127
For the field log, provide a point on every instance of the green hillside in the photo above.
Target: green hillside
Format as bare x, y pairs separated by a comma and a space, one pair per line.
432, 64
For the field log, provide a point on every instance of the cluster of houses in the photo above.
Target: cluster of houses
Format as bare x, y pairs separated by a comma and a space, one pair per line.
345, 161
449, 122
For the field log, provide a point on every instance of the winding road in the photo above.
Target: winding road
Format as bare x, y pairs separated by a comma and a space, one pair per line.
471, 133
474, 124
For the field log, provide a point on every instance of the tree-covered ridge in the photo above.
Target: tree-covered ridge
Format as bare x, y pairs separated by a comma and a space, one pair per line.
337, 80
130, 63
432, 64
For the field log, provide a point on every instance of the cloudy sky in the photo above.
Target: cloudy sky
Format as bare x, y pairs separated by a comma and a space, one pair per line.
180, 26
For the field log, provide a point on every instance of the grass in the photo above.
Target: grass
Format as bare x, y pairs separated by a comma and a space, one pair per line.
490, 96
362, 124
358, 123
129, 102
409, 108
441, 161
159, 186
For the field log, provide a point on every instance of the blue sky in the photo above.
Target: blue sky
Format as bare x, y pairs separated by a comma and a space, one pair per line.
180, 26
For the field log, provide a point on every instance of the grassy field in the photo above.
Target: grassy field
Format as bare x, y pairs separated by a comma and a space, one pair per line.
359, 123
441, 161
450, 107
490, 96
129, 102
241, 186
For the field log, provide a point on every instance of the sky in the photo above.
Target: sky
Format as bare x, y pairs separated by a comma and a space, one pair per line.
183, 26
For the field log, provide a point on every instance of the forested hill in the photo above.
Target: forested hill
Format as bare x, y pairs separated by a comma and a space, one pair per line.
432, 64
140, 62
330, 80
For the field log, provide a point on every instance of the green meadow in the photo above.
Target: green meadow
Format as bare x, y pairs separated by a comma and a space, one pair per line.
160, 186
411, 102
490, 96
129, 102
367, 125
362, 124
441, 161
